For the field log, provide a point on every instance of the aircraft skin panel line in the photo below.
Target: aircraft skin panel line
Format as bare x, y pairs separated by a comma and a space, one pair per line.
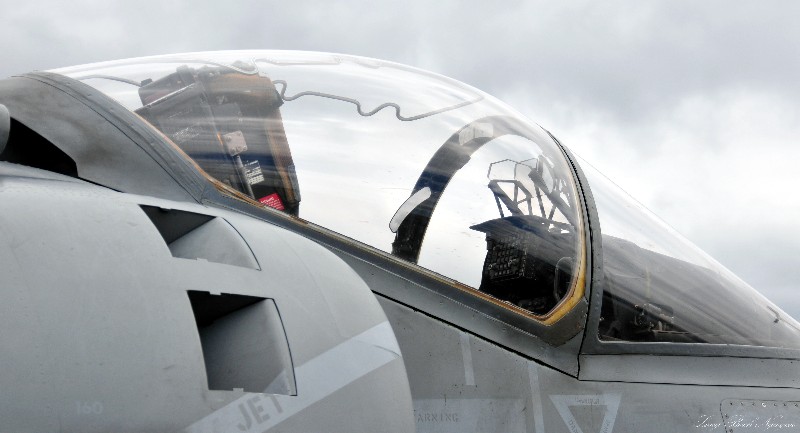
536, 397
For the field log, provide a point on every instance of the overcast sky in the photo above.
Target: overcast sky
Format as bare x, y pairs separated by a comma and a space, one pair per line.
691, 107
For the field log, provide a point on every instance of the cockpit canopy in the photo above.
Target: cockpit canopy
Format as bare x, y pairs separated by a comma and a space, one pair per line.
441, 175
411, 163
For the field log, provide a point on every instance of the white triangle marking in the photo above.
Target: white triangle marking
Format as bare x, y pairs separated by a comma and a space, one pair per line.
610, 401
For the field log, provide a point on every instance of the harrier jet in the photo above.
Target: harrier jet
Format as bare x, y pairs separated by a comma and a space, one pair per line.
261, 241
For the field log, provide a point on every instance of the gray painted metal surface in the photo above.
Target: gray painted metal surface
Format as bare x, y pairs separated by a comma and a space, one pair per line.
151, 301
99, 328
482, 387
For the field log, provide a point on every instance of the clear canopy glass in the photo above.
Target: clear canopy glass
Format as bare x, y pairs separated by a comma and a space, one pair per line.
414, 164
439, 174
659, 287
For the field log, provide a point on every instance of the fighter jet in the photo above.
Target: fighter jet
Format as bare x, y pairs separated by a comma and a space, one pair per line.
266, 241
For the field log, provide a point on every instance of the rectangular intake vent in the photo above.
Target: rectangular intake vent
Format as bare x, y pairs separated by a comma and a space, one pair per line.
192, 235
244, 343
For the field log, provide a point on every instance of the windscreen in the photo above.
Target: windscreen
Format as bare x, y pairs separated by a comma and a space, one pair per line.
423, 168
659, 287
